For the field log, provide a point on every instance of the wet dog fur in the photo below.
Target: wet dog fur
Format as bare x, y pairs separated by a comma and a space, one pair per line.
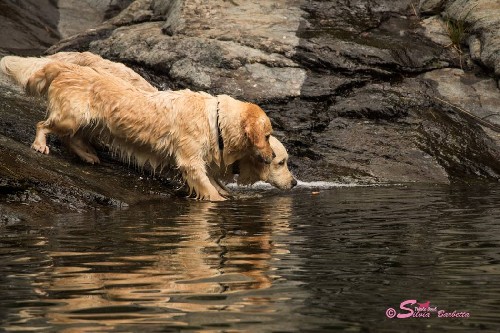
251, 169
159, 128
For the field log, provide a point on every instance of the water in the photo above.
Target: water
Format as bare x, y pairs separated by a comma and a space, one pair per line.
273, 262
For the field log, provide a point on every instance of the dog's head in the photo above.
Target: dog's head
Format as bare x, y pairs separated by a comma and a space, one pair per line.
276, 173
258, 129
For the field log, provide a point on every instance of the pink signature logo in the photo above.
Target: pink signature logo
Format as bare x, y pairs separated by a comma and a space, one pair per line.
410, 308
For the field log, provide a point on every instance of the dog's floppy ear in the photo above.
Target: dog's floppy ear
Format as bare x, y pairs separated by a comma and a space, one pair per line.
254, 134
258, 129
255, 126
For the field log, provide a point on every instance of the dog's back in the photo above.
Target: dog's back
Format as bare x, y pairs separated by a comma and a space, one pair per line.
100, 64
129, 118
21, 69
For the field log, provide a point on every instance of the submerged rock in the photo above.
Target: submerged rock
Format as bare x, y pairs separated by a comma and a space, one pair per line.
368, 91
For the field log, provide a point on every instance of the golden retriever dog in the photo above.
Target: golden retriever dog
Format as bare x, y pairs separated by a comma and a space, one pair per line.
21, 70
250, 169
195, 131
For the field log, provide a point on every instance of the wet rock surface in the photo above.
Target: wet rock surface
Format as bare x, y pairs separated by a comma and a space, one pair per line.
76, 16
370, 91
28, 27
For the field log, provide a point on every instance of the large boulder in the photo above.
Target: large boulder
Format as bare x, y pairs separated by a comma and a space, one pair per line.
474, 23
28, 27
373, 91
351, 86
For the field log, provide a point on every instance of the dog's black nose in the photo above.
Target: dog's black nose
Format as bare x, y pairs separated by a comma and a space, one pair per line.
294, 183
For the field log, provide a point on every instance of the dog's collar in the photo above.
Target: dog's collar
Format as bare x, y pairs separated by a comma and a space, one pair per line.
219, 132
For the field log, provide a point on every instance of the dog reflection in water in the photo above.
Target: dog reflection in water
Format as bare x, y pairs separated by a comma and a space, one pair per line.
196, 253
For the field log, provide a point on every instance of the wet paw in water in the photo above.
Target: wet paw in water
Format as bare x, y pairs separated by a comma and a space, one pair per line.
246, 195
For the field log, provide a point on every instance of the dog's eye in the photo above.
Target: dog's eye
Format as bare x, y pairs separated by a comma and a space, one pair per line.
281, 162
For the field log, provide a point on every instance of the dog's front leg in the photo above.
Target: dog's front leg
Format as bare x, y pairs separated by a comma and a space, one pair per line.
198, 181
221, 188
58, 123
205, 190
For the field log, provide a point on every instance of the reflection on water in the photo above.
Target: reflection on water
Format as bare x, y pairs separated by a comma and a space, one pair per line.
285, 261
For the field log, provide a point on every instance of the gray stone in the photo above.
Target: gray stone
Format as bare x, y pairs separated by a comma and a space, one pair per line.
356, 90
475, 95
138, 11
481, 18
185, 70
435, 29
76, 16
474, 47
430, 6
28, 27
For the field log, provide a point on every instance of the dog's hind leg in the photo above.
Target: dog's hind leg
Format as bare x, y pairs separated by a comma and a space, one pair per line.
83, 149
40, 143
63, 127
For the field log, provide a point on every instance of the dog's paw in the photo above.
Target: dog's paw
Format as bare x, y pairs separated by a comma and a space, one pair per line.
210, 197
96, 160
215, 197
91, 158
44, 149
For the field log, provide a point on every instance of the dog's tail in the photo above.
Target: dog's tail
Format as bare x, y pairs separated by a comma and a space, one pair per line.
22, 69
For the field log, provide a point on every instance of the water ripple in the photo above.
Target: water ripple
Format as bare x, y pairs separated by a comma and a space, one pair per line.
273, 261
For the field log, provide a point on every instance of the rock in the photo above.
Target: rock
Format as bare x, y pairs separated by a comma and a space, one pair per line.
435, 30
138, 11
476, 95
28, 27
465, 150
482, 19
76, 16
357, 91
474, 48
370, 134
384, 45
431, 6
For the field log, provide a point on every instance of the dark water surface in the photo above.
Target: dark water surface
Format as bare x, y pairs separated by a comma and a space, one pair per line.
286, 261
